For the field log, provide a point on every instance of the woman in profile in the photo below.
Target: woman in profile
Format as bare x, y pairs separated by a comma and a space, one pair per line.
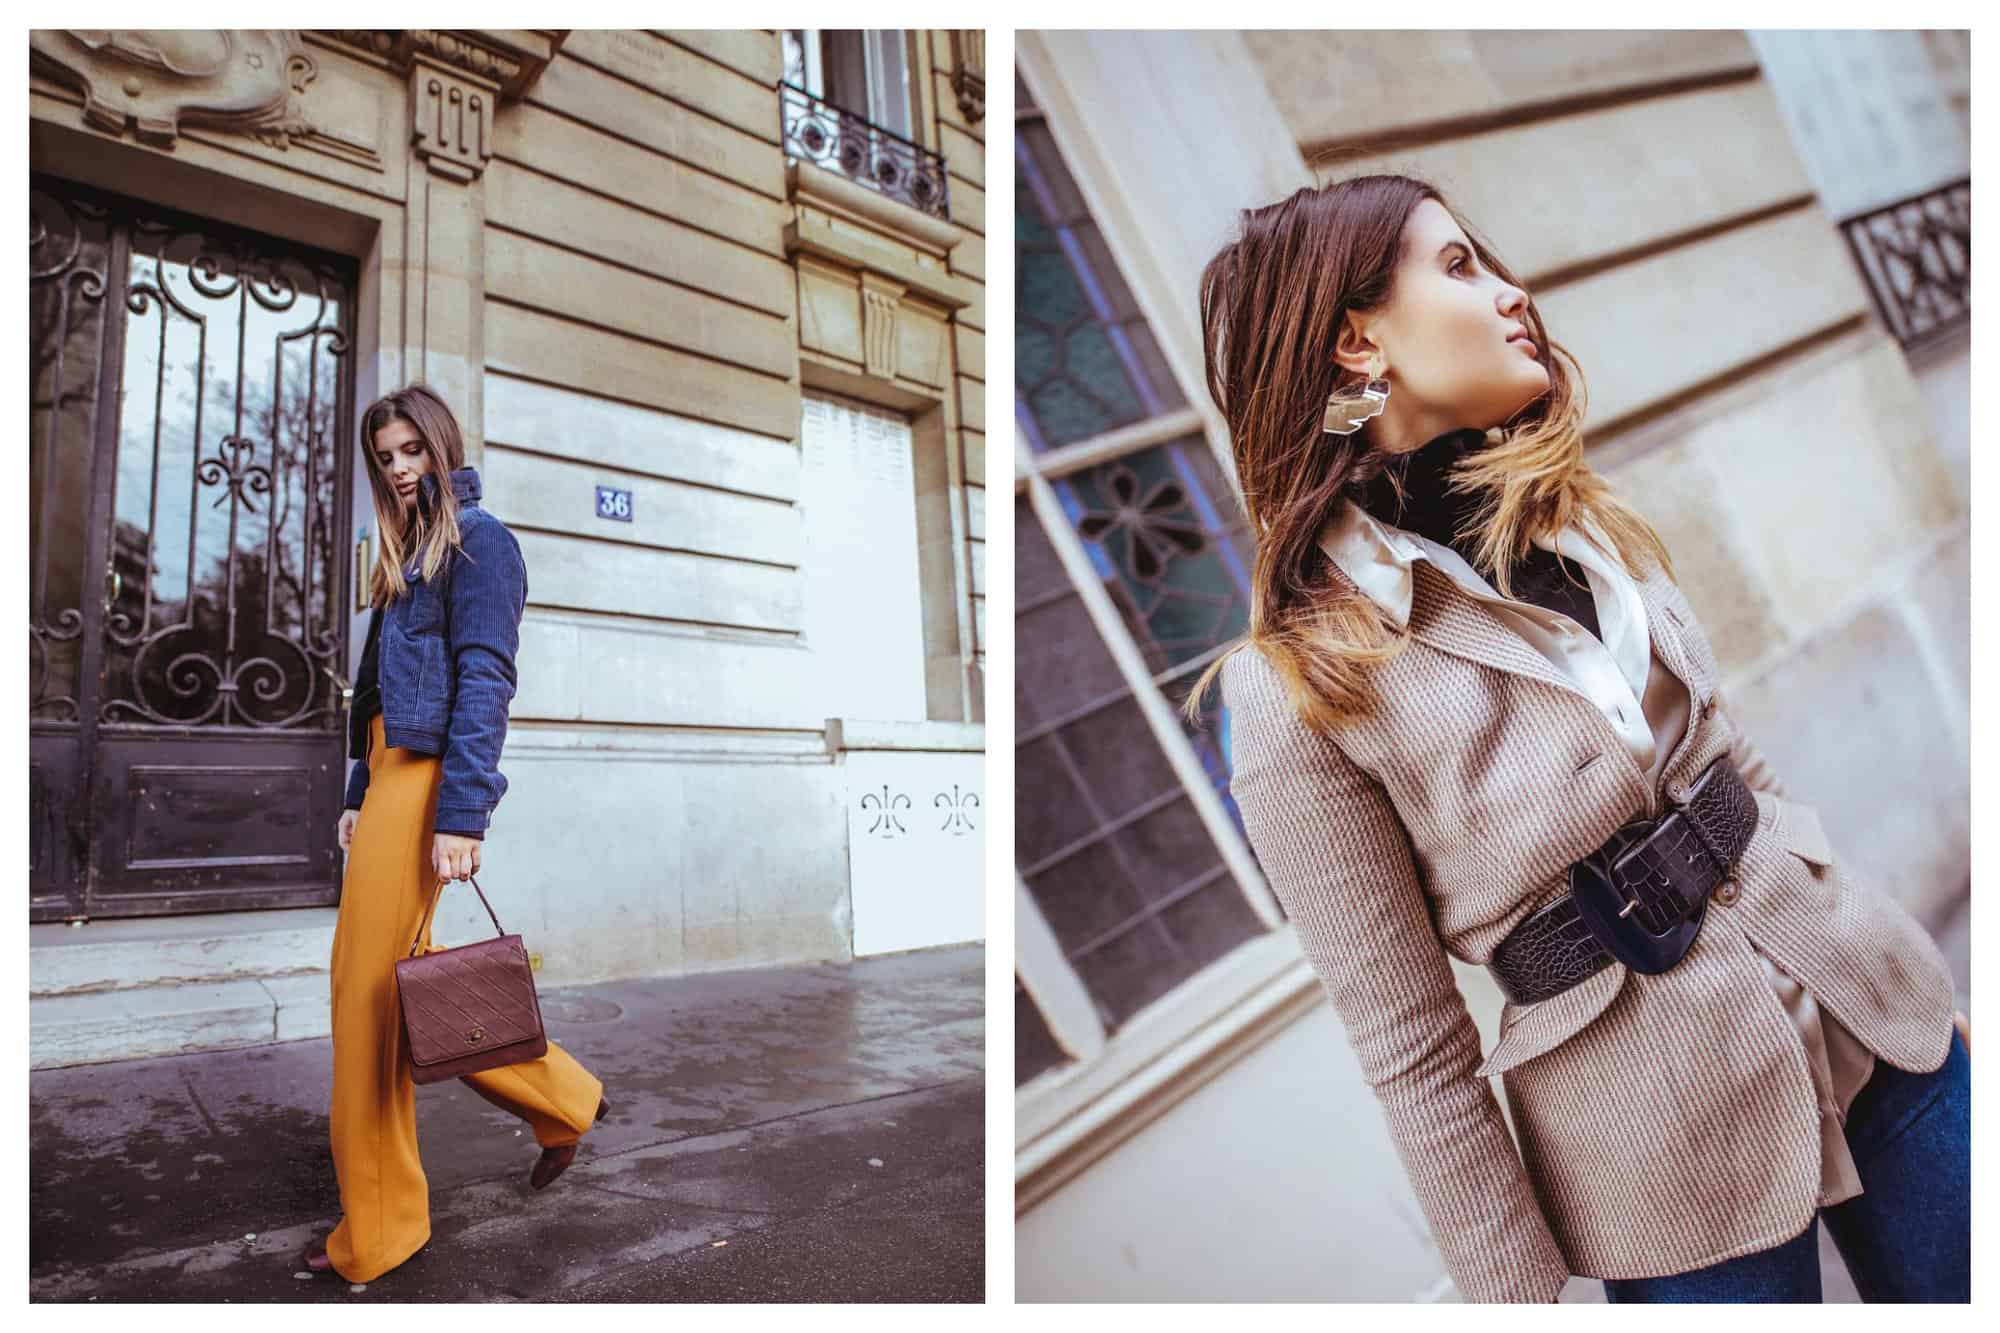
428, 719
1475, 716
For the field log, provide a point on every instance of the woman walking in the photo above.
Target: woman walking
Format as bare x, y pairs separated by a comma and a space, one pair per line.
1478, 718
428, 718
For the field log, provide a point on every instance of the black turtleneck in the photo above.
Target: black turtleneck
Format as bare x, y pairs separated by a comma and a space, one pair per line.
367, 700
1427, 508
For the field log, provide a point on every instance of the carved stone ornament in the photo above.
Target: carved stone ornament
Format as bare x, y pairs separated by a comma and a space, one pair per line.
451, 120
879, 301
511, 62
156, 80
968, 75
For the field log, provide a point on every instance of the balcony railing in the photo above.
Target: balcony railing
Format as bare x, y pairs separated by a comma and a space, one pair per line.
816, 131
1917, 257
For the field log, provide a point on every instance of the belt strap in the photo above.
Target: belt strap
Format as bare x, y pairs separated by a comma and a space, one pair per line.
1638, 899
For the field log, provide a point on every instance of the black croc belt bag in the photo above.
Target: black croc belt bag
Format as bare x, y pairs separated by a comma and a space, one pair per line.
1639, 899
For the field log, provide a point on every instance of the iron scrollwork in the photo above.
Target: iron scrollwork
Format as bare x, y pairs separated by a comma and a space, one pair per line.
234, 365
1916, 255
68, 256
838, 140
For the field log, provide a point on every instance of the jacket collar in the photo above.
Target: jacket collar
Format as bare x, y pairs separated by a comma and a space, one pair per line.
1381, 560
464, 485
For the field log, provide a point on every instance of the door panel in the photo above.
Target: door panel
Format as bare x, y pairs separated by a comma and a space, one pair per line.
189, 488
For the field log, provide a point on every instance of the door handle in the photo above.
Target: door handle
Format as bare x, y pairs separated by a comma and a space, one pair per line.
117, 585
341, 683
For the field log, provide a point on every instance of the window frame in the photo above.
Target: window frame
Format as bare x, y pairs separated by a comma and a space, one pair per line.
1114, 1082
875, 42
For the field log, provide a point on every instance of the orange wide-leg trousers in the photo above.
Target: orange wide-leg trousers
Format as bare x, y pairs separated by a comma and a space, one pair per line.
384, 1198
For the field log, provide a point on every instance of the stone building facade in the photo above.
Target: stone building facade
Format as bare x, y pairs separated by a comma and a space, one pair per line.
716, 338
1190, 1121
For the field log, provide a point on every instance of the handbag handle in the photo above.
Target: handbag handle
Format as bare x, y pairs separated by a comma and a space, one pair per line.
497, 929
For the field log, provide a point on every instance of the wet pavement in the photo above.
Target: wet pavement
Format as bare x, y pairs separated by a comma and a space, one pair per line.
791, 1134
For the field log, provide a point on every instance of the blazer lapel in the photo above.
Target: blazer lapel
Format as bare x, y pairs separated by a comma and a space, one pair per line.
1451, 619
1668, 629
1448, 617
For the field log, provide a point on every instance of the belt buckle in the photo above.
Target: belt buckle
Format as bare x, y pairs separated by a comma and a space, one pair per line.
1605, 908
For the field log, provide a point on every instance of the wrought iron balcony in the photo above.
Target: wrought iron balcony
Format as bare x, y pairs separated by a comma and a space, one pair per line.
816, 131
1917, 257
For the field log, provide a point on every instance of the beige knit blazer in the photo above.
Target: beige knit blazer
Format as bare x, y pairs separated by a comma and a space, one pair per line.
1664, 1122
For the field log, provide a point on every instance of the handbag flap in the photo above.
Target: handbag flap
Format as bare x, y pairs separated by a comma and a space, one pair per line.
472, 998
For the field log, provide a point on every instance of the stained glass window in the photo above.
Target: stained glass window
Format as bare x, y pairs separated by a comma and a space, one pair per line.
1125, 834
1107, 838
1085, 361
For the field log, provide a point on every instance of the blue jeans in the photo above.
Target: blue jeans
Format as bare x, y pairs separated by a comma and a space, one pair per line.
1906, 1238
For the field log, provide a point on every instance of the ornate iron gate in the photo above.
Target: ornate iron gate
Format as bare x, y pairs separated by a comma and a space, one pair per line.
191, 394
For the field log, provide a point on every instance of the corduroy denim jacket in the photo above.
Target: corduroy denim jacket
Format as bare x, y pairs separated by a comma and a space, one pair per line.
447, 669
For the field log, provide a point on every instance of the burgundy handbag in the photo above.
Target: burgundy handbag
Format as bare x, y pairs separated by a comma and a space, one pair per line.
469, 1008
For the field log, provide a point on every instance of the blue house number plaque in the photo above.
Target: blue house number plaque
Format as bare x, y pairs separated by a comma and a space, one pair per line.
614, 503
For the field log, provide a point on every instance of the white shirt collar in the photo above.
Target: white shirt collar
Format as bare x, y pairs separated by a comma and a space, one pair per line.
1381, 557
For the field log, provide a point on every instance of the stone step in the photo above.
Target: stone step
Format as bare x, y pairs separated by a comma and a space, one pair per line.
142, 1022
209, 949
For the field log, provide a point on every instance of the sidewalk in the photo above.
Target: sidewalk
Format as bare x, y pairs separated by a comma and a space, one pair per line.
796, 1134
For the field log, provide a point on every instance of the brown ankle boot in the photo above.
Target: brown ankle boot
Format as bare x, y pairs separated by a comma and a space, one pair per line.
554, 1161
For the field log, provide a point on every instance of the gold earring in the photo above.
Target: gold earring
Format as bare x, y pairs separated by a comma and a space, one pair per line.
1346, 412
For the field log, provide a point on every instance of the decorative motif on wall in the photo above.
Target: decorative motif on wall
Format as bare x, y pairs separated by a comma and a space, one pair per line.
887, 807
451, 121
155, 80
968, 75
511, 68
879, 300
958, 805
888, 822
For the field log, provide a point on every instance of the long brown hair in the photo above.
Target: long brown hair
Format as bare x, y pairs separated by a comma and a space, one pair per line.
432, 536
1272, 305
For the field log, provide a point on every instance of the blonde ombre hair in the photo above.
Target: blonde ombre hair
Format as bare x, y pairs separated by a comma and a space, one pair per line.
410, 533
1272, 304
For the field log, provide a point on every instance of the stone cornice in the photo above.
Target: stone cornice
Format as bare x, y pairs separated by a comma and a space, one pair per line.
848, 734
816, 235
814, 184
510, 59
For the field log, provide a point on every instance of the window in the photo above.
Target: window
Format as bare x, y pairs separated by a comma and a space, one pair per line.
847, 106
1132, 560
862, 71
221, 357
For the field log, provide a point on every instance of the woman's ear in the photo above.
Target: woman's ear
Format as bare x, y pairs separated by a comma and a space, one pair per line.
1353, 349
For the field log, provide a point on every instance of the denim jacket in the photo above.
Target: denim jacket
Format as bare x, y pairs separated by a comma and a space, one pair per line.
447, 662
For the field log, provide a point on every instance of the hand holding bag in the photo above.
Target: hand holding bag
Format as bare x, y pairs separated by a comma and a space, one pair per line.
469, 1008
